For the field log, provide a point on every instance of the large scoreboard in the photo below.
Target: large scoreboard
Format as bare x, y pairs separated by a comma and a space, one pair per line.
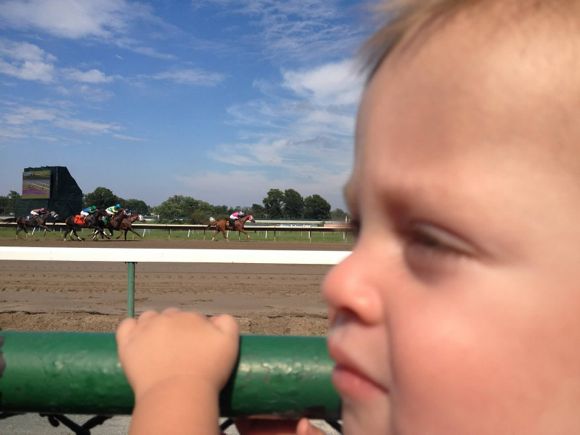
51, 187
36, 183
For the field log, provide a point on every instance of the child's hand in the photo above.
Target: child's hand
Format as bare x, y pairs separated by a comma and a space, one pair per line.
252, 426
174, 346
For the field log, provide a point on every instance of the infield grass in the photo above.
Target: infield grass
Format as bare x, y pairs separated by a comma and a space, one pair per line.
162, 234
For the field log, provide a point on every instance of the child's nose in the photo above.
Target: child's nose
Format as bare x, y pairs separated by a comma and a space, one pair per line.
351, 287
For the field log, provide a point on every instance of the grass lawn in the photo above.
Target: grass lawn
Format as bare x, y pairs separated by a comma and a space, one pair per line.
162, 234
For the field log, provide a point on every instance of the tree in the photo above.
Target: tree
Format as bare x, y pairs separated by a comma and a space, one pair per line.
181, 208
258, 211
220, 211
338, 214
293, 204
203, 211
8, 203
178, 208
101, 198
316, 207
273, 203
137, 206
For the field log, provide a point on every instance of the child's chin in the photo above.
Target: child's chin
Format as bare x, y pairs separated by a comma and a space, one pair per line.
364, 419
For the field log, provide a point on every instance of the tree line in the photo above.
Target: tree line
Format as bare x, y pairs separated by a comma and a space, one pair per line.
277, 204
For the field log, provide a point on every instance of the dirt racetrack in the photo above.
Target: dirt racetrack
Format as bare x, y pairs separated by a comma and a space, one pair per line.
92, 296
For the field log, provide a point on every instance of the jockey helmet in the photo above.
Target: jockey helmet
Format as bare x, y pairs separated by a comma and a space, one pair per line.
241, 213
117, 205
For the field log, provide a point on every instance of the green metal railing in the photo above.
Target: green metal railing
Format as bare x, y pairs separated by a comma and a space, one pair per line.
79, 373
131, 289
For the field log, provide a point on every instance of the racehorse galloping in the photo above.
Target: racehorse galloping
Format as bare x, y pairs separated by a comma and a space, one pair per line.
223, 226
123, 221
24, 223
93, 221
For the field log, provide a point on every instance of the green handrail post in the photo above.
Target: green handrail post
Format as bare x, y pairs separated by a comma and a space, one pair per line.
79, 373
131, 289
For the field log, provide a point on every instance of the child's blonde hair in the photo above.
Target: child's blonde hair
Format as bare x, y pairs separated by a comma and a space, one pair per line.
404, 18
407, 18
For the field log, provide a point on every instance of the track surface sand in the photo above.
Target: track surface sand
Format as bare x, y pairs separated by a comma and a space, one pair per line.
92, 296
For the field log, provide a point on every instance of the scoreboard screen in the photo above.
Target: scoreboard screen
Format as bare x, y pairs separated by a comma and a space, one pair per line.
36, 184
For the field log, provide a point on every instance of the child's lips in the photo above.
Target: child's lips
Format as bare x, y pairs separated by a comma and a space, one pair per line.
349, 378
353, 375
352, 383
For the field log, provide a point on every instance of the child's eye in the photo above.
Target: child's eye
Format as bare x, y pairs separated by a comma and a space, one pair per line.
427, 239
433, 253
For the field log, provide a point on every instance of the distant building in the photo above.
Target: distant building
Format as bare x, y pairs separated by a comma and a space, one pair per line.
51, 187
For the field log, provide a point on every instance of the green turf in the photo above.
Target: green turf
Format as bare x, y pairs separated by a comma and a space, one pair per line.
162, 234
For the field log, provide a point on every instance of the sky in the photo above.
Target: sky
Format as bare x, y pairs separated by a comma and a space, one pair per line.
220, 100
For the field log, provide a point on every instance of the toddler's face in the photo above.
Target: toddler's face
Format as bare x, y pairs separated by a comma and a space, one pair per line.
458, 311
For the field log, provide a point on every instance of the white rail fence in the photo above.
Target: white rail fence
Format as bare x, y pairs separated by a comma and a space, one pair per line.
128, 255
266, 230
133, 256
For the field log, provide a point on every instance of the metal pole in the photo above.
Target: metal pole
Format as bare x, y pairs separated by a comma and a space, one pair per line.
79, 373
131, 289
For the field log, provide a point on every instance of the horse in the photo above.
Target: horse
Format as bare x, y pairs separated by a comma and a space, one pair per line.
123, 221
223, 226
94, 221
23, 223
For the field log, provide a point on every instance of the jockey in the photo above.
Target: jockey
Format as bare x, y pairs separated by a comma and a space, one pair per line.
88, 210
237, 215
112, 210
38, 211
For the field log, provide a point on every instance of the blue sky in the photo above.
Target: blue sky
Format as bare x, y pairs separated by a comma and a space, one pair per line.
220, 100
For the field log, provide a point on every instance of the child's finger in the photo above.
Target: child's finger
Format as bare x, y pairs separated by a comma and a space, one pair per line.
304, 427
124, 330
146, 315
225, 323
171, 310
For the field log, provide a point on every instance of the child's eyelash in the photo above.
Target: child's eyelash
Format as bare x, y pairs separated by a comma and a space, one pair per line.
427, 238
437, 241
430, 243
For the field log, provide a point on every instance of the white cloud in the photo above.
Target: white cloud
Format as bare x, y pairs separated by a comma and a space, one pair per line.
305, 139
67, 18
93, 76
249, 186
195, 77
111, 21
209, 186
26, 61
29, 121
126, 138
299, 29
330, 84
84, 126
28, 115
7, 133
262, 153
322, 98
